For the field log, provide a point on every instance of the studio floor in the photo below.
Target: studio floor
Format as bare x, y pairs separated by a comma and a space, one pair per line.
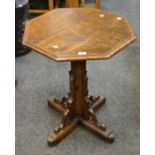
117, 79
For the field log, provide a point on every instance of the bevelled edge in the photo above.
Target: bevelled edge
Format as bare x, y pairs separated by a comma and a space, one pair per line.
61, 59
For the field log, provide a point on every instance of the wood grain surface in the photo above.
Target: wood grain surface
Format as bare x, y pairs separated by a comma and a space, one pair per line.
71, 34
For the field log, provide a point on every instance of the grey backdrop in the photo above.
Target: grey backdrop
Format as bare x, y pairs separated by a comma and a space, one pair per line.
126, 8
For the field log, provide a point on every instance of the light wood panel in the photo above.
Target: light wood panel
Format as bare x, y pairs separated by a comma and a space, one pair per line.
76, 3
72, 3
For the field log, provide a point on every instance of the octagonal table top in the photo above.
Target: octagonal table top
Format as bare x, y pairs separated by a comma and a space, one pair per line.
71, 34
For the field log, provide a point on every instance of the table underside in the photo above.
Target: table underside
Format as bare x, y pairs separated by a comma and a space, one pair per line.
77, 108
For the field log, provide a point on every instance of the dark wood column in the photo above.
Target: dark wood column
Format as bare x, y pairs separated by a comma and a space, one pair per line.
78, 89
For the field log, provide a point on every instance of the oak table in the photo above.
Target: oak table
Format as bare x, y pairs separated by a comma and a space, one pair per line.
78, 35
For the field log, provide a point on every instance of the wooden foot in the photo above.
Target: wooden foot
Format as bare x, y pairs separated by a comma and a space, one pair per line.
93, 125
100, 130
96, 102
57, 105
60, 106
61, 132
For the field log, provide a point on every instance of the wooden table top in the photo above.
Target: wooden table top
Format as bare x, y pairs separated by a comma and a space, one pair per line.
71, 34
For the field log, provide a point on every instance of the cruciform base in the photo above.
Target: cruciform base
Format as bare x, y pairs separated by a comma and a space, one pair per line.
77, 108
